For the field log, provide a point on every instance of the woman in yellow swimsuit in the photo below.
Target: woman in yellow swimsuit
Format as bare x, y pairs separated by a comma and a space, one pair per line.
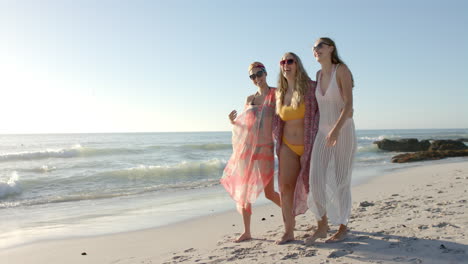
296, 127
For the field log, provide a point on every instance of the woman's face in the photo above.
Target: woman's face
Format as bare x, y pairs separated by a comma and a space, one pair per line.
258, 76
322, 50
288, 66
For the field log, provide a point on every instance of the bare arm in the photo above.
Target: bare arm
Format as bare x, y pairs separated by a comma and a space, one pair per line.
233, 115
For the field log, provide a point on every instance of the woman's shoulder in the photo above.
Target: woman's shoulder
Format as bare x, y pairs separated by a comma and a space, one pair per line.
343, 72
249, 99
342, 68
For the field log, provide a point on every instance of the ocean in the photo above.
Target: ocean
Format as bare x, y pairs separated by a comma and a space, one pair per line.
71, 185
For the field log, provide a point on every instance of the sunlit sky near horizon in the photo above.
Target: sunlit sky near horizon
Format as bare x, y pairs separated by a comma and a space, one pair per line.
154, 66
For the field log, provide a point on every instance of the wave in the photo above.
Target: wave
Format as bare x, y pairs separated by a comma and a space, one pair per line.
207, 146
212, 146
376, 138
10, 186
73, 152
79, 151
373, 148
98, 194
41, 169
373, 159
208, 168
147, 179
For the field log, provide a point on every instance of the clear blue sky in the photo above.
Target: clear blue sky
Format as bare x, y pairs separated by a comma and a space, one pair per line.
142, 66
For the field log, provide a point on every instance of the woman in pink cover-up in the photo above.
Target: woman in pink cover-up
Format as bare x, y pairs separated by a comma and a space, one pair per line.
250, 169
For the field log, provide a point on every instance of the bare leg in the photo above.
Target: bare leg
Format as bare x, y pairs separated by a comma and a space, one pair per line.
338, 236
246, 217
289, 170
271, 195
321, 232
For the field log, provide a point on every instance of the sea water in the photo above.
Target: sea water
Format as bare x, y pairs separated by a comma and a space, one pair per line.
70, 185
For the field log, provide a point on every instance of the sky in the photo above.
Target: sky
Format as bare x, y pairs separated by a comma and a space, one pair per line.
86, 66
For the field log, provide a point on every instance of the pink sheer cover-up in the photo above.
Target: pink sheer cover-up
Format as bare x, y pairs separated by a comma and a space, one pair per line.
251, 166
311, 123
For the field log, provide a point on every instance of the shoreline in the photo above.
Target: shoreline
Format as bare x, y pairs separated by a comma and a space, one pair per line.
211, 235
216, 210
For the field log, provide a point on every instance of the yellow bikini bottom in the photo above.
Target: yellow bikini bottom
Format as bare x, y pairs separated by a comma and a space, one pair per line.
298, 149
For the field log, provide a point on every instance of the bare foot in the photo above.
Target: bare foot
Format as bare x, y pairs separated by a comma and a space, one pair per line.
287, 237
319, 233
243, 237
338, 236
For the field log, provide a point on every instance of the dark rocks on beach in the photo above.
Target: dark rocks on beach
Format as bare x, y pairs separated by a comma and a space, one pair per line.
404, 145
447, 145
424, 149
462, 139
429, 155
412, 145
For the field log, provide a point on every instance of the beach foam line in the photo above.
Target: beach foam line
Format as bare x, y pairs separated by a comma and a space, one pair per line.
369, 148
205, 168
75, 151
98, 194
213, 146
143, 179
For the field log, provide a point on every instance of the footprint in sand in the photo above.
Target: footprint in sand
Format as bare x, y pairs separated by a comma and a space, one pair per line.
399, 259
290, 256
351, 244
422, 227
340, 253
415, 261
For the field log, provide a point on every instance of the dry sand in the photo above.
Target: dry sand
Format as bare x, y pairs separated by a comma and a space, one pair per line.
417, 215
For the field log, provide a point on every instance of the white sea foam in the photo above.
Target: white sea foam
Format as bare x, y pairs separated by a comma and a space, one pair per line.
42, 169
10, 186
213, 146
184, 169
75, 151
376, 138
368, 148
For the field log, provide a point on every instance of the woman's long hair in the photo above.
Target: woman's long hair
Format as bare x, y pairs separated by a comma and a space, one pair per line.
299, 91
335, 58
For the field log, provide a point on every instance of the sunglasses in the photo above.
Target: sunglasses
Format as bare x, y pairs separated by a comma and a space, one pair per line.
320, 45
288, 61
258, 74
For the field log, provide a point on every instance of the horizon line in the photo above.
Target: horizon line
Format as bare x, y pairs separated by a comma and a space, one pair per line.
196, 131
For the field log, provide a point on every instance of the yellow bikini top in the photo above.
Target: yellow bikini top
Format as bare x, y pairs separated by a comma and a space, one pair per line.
287, 113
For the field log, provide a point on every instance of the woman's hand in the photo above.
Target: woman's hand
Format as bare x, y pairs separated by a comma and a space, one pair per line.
332, 137
232, 116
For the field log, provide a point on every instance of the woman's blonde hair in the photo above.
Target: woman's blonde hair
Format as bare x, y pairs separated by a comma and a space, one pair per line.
300, 89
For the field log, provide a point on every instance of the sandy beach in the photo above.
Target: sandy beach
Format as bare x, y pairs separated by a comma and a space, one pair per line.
416, 215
